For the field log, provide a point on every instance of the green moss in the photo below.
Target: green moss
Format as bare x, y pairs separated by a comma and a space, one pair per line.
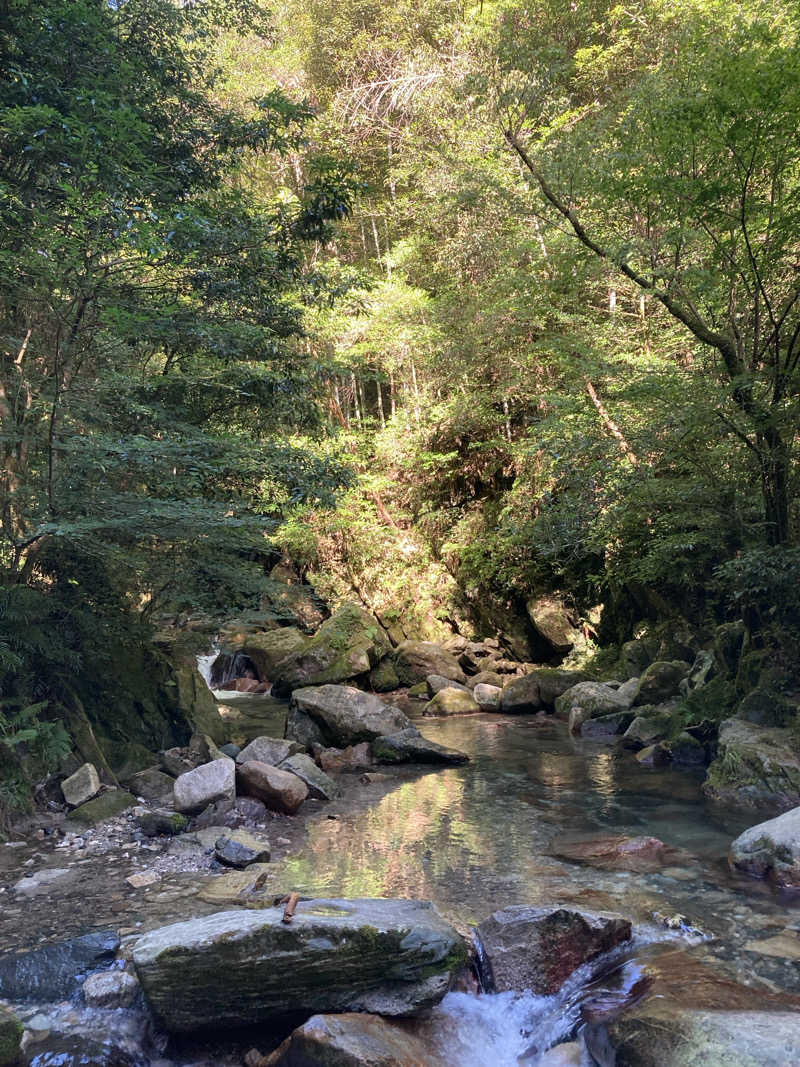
10, 1036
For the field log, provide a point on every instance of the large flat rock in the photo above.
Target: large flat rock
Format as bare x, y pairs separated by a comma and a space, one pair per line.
236, 968
340, 715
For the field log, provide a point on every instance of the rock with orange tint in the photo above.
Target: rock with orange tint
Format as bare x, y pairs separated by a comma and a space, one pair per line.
279, 790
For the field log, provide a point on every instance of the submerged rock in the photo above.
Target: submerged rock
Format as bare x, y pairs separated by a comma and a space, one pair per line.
205, 785
616, 852
409, 746
770, 850
234, 968
56, 971
605, 726
355, 1040
415, 660
238, 848
539, 948
339, 715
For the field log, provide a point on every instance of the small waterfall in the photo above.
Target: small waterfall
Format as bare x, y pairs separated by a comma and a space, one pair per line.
205, 663
220, 669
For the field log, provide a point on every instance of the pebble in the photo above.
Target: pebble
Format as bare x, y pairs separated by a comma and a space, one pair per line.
139, 881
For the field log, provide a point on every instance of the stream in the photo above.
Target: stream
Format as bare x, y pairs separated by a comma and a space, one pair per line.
472, 839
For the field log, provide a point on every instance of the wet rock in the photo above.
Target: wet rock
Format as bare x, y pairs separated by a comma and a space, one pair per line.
152, 784
267, 650
568, 1054
81, 786
539, 948
239, 849
279, 790
645, 729
657, 755
607, 725
83, 1050
107, 806
338, 760
10, 1036
230, 750
577, 717
409, 746
487, 697
205, 785
660, 681
355, 1040
347, 645
554, 623
339, 716
436, 682
755, 766
383, 678
157, 822
110, 989
452, 701
320, 785
272, 750
392, 957
594, 697
415, 660
56, 971
521, 696
658, 1035
785, 945
615, 852
245, 888
770, 849
37, 883
687, 751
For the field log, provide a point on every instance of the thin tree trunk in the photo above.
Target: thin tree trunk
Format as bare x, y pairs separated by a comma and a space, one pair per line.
379, 394
610, 425
354, 390
392, 400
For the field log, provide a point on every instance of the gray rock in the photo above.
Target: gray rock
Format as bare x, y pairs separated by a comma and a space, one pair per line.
660, 681
770, 849
238, 848
230, 750
635, 657
204, 785
152, 784
158, 822
320, 784
176, 761
487, 697
606, 726
279, 790
437, 682
56, 971
487, 678
539, 948
521, 696
409, 746
658, 1035
452, 701
687, 751
645, 729
627, 691
339, 715
415, 660
357, 1040
107, 806
383, 678
272, 750
235, 968
553, 622
703, 669
755, 766
110, 989
38, 883
594, 697
81, 786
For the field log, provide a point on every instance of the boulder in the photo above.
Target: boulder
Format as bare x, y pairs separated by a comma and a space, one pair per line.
10, 1036
337, 760
487, 678
293, 602
770, 849
319, 784
204, 785
415, 660
539, 948
196, 702
156, 822
81, 786
347, 645
766, 708
604, 726
356, 1040
658, 1035
703, 670
594, 697
452, 701
436, 682
660, 681
755, 766
553, 681
267, 650
177, 761
107, 806
521, 696
238, 848
279, 790
687, 751
627, 691
554, 623
152, 784
487, 697
647, 728
409, 746
383, 678
272, 750
237, 968
56, 971
110, 989
635, 657
339, 715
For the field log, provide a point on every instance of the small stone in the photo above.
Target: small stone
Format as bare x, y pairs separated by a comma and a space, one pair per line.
139, 881
110, 989
81, 786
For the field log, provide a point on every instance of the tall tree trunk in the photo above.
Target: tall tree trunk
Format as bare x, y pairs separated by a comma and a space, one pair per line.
379, 394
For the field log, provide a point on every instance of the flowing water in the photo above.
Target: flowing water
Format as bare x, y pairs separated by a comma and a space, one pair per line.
484, 836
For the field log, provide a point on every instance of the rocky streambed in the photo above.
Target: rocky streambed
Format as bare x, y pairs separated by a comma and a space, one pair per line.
539, 818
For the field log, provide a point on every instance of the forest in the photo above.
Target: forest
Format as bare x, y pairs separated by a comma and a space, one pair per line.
453, 340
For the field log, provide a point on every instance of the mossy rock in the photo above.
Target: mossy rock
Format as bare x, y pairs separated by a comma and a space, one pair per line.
107, 806
10, 1036
727, 645
197, 704
383, 678
766, 708
660, 681
755, 766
